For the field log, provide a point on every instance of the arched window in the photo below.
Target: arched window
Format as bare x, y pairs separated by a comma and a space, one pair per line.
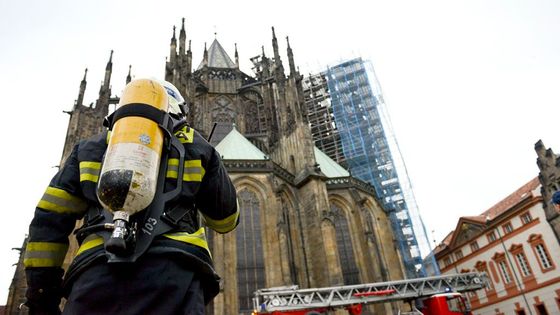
250, 258
350, 272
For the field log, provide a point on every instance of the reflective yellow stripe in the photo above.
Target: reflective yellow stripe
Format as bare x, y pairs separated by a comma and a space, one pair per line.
89, 177
224, 225
197, 238
60, 201
44, 254
89, 171
172, 168
92, 165
90, 242
185, 135
193, 171
173, 162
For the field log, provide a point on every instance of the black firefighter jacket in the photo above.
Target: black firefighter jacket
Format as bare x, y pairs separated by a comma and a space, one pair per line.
72, 193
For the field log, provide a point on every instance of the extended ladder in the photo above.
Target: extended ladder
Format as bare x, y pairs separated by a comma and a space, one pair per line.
292, 298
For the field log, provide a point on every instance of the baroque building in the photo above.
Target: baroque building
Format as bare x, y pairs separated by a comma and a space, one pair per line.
304, 219
516, 242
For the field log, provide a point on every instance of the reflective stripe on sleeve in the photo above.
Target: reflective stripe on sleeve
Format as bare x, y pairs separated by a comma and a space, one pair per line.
224, 225
90, 242
197, 238
193, 170
60, 201
44, 254
89, 171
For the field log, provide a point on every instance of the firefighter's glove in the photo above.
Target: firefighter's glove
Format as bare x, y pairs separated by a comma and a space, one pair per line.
43, 290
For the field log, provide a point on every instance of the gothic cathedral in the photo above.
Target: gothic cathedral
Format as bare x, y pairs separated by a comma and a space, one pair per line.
304, 219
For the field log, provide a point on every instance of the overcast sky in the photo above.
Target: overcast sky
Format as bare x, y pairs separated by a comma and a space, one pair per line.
470, 85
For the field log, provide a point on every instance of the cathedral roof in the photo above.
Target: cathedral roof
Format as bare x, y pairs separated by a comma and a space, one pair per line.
328, 166
234, 146
217, 57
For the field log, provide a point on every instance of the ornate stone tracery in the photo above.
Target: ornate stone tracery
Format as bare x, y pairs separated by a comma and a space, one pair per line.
222, 74
255, 116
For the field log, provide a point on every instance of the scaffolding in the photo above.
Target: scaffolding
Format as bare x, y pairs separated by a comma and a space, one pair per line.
350, 123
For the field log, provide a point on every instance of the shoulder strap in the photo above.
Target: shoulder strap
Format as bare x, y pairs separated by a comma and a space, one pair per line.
140, 110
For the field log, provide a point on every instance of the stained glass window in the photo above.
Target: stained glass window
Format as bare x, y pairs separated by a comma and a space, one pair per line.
250, 258
350, 272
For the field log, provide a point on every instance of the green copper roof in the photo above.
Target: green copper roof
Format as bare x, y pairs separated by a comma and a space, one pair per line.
235, 146
328, 166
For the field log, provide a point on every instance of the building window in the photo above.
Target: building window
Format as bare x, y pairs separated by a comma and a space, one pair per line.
350, 271
504, 271
541, 309
446, 261
491, 237
521, 260
543, 256
482, 266
458, 254
250, 258
526, 218
541, 252
523, 265
474, 246
508, 228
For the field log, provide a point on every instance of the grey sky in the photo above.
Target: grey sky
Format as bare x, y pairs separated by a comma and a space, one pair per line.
470, 85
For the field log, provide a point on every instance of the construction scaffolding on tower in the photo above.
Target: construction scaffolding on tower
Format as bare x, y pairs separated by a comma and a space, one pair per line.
350, 123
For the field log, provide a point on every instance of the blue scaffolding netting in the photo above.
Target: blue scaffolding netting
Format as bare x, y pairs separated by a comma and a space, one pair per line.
359, 118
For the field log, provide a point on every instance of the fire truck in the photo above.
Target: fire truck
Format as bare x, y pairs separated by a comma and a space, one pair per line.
438, 295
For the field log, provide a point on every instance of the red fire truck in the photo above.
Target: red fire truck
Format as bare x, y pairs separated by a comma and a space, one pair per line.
445, 303
439, 295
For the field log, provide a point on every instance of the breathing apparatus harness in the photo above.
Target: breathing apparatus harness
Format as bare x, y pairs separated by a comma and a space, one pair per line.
125, 242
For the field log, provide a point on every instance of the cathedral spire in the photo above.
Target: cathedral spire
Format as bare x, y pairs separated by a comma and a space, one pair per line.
274, 43
265, 65
278, 62
108, 71
205, 56
291, 59
129, 77
80, 100
102, 103
182, 38
173, 48
189, 58
236, 57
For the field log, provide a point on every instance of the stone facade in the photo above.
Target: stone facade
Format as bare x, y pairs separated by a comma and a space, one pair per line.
304, 228
549, 177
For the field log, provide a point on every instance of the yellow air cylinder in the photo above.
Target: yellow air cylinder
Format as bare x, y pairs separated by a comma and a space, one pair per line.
128, 179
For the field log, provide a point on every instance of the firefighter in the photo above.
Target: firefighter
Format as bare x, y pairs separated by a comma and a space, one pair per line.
174, 275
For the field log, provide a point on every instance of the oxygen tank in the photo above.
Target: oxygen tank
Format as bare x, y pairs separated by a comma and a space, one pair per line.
128, 178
